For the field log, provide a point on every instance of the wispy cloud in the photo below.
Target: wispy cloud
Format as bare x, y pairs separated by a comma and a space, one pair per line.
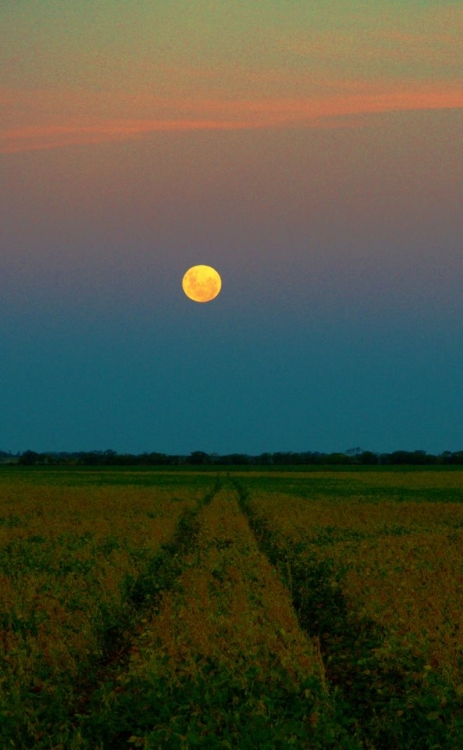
55, 136
371, 44
425, 44
44, 120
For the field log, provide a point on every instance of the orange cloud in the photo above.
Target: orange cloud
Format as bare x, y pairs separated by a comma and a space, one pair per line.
54, 136
42, 120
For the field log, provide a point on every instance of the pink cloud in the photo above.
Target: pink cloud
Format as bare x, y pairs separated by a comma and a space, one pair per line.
54, 136
42, 120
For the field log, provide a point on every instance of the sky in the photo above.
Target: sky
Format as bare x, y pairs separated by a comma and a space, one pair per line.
310, 151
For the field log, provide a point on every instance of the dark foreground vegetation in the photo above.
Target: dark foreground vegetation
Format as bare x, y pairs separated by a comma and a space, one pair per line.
271, 609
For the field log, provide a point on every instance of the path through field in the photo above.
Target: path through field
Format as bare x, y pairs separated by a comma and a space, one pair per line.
215, 612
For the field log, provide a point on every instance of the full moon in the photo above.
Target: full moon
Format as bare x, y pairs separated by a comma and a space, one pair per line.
201, 283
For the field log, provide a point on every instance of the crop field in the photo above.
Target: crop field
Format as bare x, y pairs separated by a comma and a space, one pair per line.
148, 608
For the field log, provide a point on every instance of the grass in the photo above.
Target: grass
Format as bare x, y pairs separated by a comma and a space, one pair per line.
237, 609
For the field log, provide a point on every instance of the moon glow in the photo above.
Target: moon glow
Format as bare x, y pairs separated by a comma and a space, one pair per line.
201, 283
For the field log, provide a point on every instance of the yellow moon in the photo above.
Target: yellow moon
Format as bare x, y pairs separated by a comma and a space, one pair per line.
201, 283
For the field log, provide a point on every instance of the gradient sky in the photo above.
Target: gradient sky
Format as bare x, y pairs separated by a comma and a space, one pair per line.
311, 152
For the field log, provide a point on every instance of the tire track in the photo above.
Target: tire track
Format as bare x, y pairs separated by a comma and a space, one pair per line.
143, 596
387, 707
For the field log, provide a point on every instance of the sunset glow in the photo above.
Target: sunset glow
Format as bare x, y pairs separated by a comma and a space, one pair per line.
310, 151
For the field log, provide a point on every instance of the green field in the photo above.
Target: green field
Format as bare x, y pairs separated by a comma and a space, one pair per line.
230, 607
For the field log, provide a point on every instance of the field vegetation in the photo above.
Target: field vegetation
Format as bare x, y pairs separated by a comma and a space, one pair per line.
231, 609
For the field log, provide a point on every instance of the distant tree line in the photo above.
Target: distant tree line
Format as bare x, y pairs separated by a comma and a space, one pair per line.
351, 457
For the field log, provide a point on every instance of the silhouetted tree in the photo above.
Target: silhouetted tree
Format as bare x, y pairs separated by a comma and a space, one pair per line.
354, 453
29, 458
368, 458
198, 457
157, 459
239, 459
